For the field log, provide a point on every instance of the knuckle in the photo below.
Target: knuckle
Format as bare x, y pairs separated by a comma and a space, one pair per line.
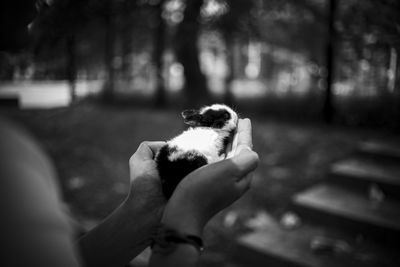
255, 160
238, 170
144, 144
132, 159
250, 163
234, 168
256, 157
242, 186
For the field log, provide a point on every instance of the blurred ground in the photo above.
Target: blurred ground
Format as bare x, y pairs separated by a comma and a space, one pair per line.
91, 145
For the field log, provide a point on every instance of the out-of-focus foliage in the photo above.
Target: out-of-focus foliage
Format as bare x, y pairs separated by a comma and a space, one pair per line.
89, 21
263, 48
299, 26
56, 19
369, 45
234, 17
14, 17
370, 22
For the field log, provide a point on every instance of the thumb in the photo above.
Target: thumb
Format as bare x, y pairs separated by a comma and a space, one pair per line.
245, 162
249, 159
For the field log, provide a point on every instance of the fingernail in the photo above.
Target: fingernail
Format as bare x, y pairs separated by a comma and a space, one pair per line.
246, 120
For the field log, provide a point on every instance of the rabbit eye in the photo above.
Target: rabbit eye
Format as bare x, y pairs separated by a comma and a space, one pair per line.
227, 115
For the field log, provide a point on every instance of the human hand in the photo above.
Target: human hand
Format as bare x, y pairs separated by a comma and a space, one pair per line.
211, 188
145, 185
128, 229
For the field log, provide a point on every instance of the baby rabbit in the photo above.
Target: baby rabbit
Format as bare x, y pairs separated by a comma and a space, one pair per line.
206, 141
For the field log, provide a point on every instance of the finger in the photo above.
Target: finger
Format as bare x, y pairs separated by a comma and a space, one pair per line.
236, 167
244, 184
244, 135
147, 150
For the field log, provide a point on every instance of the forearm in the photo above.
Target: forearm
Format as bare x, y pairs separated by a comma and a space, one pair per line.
121, 236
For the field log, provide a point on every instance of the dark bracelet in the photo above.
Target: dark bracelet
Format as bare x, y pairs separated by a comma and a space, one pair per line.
166, 239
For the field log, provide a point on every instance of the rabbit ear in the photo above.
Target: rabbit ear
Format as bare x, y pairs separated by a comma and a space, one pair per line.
191, 117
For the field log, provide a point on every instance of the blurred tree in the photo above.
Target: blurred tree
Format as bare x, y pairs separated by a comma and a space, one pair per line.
187, 52
14, 19
363, 28
237, 21
56, 22
328, 107
370, 36
114, 30
71, 64
107, 11
297, 25
159, 47
359, 20
126, 31
65, 20
110, 38
309, 28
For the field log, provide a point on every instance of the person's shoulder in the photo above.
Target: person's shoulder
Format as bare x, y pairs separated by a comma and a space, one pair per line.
20, 152
12, 134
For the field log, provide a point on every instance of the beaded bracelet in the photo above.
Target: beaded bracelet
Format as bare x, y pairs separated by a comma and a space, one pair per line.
166, 239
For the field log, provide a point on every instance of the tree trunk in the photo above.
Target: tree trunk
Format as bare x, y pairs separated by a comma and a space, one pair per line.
71, 65
230, 50
159, 46
195, 89
328, 108
127, 37
110, 35
396, 87
126, 42
392, 67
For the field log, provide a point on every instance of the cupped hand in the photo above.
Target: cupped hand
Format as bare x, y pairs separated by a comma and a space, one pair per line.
211, 188
145, 186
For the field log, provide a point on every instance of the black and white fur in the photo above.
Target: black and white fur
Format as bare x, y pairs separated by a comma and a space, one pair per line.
206, 141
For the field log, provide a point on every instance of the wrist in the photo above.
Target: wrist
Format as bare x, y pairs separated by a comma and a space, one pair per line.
186, 226
184, 222
150, 216
166, 239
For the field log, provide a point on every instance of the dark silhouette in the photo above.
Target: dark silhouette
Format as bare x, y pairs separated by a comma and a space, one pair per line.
159, 47
71, 64
328, 108
188, 55
110, 36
